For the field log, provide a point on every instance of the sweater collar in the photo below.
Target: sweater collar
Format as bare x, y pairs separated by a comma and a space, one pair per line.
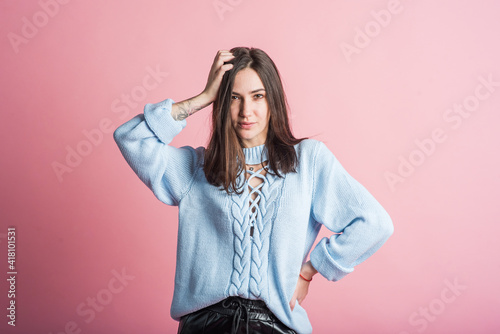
255, 155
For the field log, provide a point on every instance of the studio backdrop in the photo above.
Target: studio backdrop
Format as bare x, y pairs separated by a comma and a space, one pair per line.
405, 93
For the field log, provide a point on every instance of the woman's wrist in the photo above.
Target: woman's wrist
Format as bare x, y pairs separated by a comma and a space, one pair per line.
308, 271
186, 108
203, 99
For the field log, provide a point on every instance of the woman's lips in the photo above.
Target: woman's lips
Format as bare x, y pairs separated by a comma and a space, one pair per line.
245, 125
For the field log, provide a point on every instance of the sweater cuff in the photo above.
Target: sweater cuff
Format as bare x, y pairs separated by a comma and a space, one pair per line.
159, 118
325, 264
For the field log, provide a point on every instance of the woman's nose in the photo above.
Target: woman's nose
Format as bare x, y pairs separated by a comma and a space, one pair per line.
246, 109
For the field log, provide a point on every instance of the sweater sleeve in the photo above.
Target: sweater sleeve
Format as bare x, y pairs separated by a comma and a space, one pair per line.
342, 204
144, 143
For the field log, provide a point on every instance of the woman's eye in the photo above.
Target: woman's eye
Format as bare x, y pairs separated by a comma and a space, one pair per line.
259, 96
234, 97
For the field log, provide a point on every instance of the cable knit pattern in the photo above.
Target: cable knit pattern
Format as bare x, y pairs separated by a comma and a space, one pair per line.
265, 202
217, 254
242, 245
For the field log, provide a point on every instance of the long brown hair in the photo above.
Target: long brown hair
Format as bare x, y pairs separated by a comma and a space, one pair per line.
224, 158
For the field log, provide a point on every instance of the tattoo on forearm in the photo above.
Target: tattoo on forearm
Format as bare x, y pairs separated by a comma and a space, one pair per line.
187, 109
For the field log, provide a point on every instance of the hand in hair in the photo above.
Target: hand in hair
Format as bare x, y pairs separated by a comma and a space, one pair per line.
183, 109
216, 72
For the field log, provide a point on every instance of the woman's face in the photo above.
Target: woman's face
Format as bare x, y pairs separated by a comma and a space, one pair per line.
249, 109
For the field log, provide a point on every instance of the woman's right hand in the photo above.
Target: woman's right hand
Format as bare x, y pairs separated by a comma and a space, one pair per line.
216, 72
186, 108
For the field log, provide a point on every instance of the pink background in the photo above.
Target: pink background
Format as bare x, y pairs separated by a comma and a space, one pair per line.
74, 64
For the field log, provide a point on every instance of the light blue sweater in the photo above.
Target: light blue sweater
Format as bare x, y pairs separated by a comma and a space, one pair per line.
216, 255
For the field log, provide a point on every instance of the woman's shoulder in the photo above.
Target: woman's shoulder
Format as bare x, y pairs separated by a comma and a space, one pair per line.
315, 151
309, 146
307, 152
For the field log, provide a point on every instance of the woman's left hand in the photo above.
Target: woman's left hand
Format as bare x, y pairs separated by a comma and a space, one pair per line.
308, 271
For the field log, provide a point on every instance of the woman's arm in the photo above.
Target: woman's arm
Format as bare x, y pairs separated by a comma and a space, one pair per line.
182, 110
145, 140
342, 204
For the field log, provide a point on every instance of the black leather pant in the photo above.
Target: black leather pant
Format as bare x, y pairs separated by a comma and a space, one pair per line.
233, 315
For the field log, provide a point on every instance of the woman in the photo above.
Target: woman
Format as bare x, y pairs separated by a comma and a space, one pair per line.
251, 204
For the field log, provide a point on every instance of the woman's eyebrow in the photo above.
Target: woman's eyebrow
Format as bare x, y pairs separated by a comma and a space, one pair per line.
253, 91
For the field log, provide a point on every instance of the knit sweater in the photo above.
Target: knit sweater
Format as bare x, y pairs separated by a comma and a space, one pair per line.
217, 255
